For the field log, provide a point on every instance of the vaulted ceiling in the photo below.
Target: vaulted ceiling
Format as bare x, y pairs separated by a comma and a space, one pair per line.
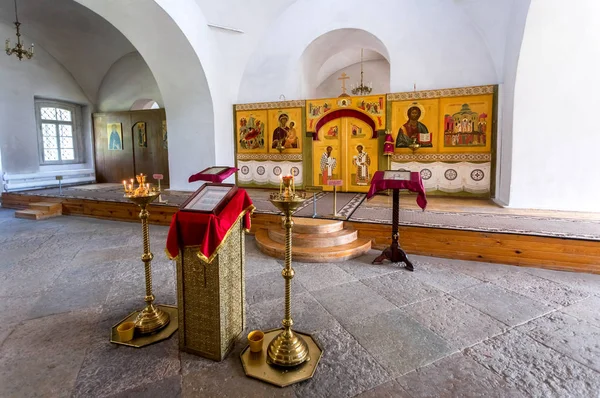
83, 42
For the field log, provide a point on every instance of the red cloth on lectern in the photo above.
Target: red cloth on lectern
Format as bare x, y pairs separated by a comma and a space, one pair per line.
207, 230
217, 178
415, 185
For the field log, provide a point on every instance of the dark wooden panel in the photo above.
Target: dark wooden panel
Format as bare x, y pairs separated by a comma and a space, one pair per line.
153, 158
116, 166
112, 165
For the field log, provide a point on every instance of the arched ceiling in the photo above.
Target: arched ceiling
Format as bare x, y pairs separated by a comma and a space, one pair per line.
345, 58
83, 42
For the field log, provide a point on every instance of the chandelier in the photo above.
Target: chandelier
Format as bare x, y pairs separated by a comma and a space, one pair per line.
18, 49
361, 89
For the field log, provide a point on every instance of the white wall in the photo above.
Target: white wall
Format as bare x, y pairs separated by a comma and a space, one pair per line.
377, 72
506, 96
127, 80
555, 128
20, 82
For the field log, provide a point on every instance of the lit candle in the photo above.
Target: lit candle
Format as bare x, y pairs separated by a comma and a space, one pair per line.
148, 187
125, 185
280, 183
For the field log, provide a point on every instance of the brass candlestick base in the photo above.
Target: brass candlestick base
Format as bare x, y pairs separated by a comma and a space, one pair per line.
151, 318
287, 349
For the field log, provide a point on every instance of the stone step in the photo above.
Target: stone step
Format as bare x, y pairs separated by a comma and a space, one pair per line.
311, 254
315, 226
329, 239
51, 207
32, 214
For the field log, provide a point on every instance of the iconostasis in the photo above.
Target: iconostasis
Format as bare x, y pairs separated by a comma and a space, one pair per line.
453, 130
446, 135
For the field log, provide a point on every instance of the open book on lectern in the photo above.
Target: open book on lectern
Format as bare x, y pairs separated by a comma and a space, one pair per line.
397, 175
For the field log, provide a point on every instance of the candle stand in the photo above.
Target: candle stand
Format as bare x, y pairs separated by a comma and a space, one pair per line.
154, 323
291, 356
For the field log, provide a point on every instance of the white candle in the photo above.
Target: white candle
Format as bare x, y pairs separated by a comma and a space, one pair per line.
125, 185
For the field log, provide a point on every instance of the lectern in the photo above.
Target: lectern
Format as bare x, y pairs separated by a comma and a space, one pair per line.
397, 180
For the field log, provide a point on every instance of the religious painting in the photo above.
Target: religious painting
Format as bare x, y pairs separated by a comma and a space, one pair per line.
115, 136
361, 161
373, 106
415, 123
165, 139
285, 130
363, 153
251, 131
327, 155
139, 131
466, 123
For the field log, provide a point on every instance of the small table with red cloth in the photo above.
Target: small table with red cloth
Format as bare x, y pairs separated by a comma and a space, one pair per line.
216, 174
209, 250
415, 184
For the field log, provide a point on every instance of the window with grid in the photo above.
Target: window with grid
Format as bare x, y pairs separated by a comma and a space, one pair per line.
59, 132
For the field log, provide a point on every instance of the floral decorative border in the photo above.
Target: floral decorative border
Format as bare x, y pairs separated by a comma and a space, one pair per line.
270, 105
446, 92
269, 156
447, 157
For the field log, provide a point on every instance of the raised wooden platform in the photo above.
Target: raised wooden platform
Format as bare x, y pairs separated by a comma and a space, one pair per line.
516, 249
317, 241
40, 211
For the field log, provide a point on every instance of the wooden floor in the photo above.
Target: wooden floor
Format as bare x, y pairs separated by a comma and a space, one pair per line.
525, 250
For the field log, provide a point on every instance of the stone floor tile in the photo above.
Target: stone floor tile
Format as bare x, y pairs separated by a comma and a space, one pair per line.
577, 280
570, 336
319, 276
309, 316
269, 286
32, 276
206, 378
504, 305
16, 309
536, 370
341, 301
42, 357
391, 389
541, 289
402, 288
345, 370
398, 342
65, 297
256, 265
456, 376
444, 279
169, 387
362, 267
458, 323
587, 310
110, 368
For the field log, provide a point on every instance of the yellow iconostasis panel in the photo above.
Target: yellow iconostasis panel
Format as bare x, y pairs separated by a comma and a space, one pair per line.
362, 155
466, 124
415, 121
251, 131
285, 130
327, 155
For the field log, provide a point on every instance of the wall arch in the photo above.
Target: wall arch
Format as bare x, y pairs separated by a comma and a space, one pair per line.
432, 44
179, 74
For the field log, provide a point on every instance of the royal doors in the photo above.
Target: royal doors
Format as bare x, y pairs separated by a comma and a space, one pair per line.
345, 150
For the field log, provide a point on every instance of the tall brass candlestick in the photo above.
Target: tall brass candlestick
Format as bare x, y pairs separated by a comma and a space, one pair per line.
287, 348
151, 318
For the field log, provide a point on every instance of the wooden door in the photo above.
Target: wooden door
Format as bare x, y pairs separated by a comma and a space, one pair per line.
345, 136
150, 153
112, 164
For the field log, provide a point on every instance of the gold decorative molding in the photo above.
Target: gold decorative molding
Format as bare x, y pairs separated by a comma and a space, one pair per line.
270, 105
446, 92
269, 156
442, 157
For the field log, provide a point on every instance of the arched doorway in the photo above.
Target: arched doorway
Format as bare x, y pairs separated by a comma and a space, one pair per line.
345, 147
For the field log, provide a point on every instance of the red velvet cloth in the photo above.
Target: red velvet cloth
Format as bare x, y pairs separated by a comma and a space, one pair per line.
415, 184
217, 178
207, 231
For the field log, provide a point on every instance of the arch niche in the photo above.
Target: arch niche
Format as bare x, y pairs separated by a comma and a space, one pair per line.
180, 77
